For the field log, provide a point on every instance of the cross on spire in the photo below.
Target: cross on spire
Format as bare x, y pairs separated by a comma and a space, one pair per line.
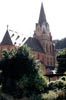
7, 27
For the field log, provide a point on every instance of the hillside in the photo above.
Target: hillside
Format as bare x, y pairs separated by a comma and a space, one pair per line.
60, 44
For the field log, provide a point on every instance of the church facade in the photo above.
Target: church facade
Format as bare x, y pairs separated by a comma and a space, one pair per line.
41, 43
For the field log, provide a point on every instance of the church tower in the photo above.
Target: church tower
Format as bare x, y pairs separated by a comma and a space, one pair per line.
42, 33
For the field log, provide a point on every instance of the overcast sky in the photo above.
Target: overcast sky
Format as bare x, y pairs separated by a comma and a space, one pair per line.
22, 15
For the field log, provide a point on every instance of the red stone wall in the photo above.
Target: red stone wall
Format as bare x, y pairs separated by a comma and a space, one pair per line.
45, 60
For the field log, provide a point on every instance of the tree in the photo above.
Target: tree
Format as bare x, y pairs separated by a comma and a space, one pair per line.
21, 76
60, 44
61, 58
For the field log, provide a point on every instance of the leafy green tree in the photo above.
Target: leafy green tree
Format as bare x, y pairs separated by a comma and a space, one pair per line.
61, 58
59, 84
21, 76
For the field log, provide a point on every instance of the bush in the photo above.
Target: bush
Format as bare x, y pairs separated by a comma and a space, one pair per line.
61, 95
63, 78
51, 85
49, 96
57, 85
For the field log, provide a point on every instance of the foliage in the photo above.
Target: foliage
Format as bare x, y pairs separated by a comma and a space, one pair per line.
57, 85
51, 85
61, 58
2, 98
61, 95
60, 44
21, 76
63, 78
54, 95
51, 95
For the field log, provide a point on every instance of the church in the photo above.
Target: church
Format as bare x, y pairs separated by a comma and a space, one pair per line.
41, 43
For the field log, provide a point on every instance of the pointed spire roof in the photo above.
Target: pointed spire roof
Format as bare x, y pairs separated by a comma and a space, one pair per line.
6, 39
42, 17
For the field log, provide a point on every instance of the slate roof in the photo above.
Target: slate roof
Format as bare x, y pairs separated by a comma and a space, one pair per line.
42, 17
6, 39
34, 44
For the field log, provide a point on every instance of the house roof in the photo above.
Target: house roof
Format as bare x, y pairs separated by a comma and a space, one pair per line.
34, 44
42, 16
6, 39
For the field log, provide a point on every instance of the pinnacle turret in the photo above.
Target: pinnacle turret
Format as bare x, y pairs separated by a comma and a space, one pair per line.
6, 39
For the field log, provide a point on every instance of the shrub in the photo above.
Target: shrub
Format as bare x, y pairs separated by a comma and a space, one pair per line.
61, 95
49, 96
63, 78
51, 85
57, 85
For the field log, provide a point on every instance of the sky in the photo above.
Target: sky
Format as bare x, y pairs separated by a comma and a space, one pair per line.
22, 16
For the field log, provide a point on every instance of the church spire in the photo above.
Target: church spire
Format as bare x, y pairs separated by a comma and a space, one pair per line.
6, 39
7, 27
42, 17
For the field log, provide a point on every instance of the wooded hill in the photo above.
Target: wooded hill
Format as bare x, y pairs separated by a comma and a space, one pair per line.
60, 44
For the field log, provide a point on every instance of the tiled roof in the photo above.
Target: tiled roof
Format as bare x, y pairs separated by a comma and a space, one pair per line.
34, 44
6, 39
